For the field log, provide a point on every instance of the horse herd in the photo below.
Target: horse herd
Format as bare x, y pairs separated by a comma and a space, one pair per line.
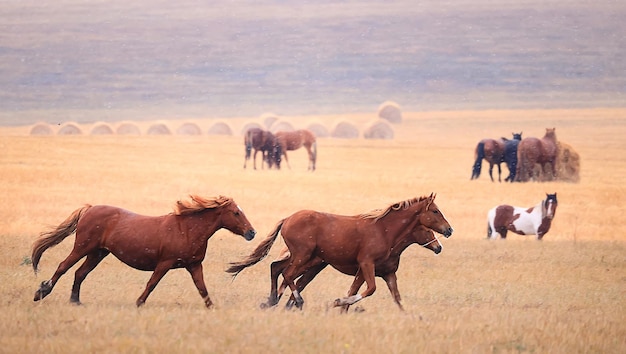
365, 246
520, 155
274, 146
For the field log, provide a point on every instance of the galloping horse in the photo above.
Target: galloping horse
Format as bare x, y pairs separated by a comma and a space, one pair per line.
364, 240
494, 151
150, 243
264, 141
533, 151
385, 269
294, 140
523, 221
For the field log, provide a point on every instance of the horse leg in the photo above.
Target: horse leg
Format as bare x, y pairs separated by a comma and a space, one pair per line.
161, 269
499, 173
354, 288
276, 269
311, 166
254, 158
286, 159
46, 286
198, 279
392, 283
92, 260
491, 171
367, 271
304, 280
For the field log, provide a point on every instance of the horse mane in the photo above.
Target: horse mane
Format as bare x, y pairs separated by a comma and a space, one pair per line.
377, 214
196, 203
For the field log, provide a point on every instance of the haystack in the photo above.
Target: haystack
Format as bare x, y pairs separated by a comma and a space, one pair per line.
268, 119
345, 130
159, 129
128, 129
41, 129
70, 129
319, 130
390, 111
101, 129
189, 129
281, 126
379, 129
567, 164
220, 128
249, 126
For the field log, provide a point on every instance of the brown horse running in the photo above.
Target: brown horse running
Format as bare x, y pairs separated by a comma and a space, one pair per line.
264, 141
296, 139
341, 241
385, 269
532, 151
150, 243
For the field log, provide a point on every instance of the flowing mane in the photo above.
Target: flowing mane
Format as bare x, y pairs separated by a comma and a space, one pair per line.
377, 214
197, 203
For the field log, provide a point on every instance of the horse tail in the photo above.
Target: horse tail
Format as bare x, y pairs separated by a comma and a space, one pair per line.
480, 154
248, 142
314, 153
55, 236
258, 254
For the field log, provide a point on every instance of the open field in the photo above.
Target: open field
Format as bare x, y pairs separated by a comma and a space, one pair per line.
564, 294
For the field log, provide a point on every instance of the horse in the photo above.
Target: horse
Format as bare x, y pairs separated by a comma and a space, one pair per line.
533, 151
494, 151
148, 243
264, 141
510, 155
364, 240
523, 221
385, 269
296, 139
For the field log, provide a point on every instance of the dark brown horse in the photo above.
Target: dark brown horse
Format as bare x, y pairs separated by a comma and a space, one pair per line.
523, 221
150, 243
385, 269
343, 241
296, 139
264, 141
532, 151
494, 151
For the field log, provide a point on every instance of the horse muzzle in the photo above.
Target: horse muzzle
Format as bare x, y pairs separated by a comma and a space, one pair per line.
438, 249
447, 232
249, 235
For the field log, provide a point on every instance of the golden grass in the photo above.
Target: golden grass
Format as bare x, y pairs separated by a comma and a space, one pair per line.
564, 294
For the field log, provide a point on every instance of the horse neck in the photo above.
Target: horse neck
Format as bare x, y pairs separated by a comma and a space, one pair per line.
398, 231
201, 225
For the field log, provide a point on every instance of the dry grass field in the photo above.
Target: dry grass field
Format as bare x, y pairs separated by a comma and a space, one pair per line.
563, 294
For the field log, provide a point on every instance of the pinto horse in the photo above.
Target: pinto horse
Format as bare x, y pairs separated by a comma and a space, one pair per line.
264, 141
294, 140
494, 151
360, 241
149, 243
533, 151
385, 269
523, 221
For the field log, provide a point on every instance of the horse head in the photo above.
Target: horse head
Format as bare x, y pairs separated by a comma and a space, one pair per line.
234, 220
517, 136
431, 217
426, 238
549, 206
550, 133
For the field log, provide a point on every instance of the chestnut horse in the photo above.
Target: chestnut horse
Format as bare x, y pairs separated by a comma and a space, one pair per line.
533, 151
363, 240
294, 140
494, 151
385, 269
523, 221
264, 141
150, 243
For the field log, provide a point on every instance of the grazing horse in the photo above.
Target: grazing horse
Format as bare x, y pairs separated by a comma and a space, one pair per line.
364, 240
510, 155
533, 151
523, 221
494, 151
149, 243
385, 269
264, 141
294, 140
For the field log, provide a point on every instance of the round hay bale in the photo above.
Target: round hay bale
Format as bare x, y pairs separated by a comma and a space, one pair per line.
319, 130
379, 129
41, 129
189, 129
567, 163
220, 128
159, 129
268, 119
345, 130
101, 129
281, 126
249, 126
128, 129
70, 129
390, 111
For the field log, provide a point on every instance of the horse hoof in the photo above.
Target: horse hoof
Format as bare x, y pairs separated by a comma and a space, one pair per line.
264, 306
337, 302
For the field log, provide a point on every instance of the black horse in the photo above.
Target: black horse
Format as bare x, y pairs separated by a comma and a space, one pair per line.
510, 155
